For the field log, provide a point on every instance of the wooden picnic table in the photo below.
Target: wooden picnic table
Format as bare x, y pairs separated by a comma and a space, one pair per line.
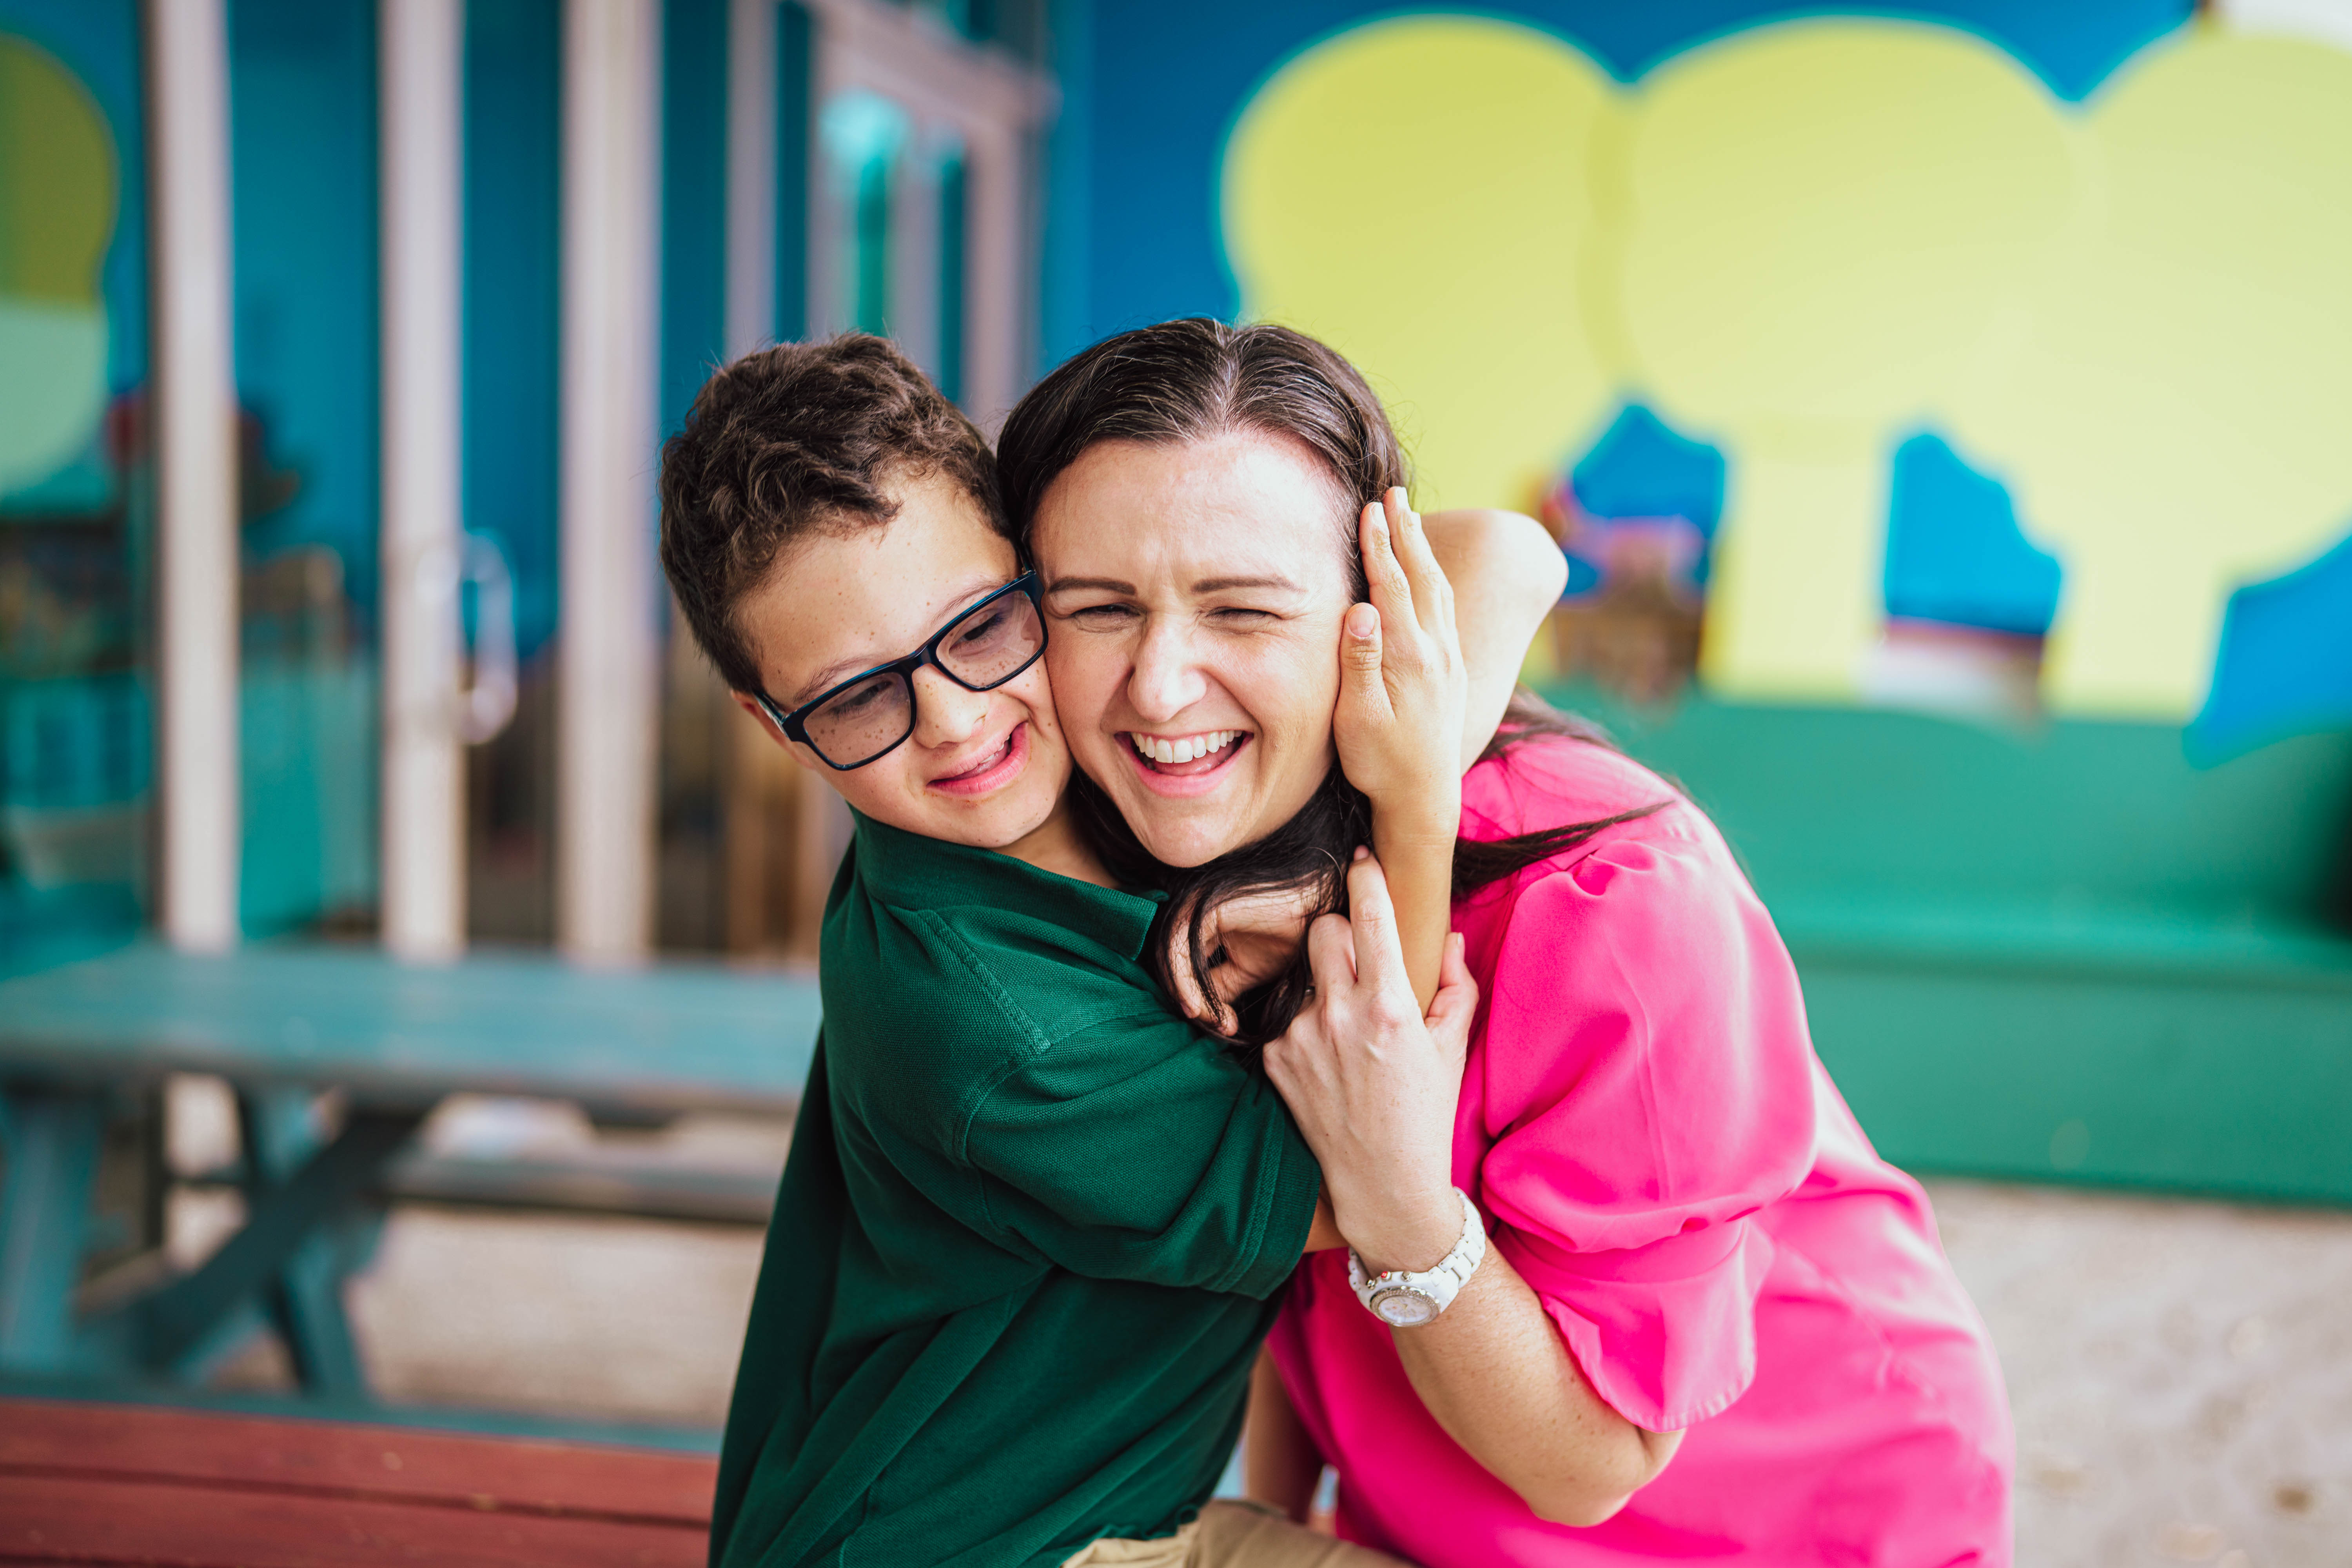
284, 1025
129, 1484
669, 1036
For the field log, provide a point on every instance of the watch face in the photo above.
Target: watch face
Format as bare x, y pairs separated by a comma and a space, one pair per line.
1403, 1308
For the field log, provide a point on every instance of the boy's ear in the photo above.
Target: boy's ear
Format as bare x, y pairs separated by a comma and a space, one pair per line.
751, 704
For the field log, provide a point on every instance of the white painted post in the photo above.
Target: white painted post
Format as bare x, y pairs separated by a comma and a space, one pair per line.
914, 314
751, 91
830, 305
608, 662
194, 420
994, 253
421, 52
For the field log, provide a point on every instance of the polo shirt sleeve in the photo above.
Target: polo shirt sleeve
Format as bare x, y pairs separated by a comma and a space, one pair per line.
1646, 1048
1139, 1148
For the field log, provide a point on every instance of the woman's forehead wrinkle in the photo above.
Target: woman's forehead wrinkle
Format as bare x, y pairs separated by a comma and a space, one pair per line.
1240, 511
1227, 585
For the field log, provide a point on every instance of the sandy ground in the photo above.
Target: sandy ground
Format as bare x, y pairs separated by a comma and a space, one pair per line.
2180, 1371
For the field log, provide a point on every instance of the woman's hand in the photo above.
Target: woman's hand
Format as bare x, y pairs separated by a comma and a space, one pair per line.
1403, 686
1373, 1083
1373, 1088
1402, 692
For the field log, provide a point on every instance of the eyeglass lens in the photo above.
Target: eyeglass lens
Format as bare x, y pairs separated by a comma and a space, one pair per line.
985, 649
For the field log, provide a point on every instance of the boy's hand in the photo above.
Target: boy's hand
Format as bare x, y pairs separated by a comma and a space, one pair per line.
1250, 940
1402, 683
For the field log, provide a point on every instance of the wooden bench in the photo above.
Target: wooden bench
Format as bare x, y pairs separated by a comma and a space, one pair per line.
127, 1484
285, 1024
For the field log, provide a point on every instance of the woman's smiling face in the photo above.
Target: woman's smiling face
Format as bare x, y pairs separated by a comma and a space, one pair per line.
1195, 592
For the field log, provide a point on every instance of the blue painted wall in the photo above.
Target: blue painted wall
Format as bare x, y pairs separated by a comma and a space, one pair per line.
694, 202
303, 144
513, 161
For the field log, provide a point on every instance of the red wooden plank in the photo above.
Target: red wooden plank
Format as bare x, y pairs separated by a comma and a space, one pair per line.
170, 1525
42, 1438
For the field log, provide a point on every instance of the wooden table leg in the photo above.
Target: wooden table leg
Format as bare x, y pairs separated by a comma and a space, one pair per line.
305, 1301
52, 1136
176, 1322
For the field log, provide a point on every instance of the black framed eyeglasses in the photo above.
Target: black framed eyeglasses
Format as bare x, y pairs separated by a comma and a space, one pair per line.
867, 716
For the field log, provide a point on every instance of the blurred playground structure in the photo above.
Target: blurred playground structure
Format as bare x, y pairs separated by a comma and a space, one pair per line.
1944, 417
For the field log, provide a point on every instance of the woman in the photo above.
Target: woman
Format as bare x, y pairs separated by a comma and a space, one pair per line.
1711, 1323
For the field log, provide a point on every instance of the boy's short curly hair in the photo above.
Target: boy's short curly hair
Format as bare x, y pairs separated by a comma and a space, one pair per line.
794, 441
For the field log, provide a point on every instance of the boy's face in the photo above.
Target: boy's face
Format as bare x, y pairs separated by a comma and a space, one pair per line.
982, 768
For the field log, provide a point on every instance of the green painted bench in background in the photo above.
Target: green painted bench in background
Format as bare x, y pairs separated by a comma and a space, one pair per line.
2060, 955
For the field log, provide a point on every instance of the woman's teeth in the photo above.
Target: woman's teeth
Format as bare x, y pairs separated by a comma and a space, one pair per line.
1190, 748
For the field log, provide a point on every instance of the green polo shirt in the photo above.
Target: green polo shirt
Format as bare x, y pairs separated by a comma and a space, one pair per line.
1031, 1232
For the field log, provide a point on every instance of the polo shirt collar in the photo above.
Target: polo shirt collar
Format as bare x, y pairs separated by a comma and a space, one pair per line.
912, 871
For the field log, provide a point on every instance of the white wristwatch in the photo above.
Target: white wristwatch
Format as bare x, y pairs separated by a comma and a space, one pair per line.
1403, 1300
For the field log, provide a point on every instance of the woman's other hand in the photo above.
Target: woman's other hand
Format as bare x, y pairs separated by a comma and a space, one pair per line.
1403, 686
1372, 1082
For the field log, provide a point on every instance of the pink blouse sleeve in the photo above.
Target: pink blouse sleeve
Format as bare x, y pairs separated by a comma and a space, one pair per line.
1648, 1069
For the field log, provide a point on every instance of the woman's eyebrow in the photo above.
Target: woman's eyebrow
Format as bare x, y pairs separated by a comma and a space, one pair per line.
1100, 584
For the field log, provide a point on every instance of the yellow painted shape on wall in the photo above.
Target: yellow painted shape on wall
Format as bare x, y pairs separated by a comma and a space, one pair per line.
58, 197
1833, 217
1419, 194
2179, 419
58, 189
1804, 241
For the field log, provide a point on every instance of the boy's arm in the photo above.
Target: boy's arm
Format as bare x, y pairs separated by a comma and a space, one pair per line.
1135, 1148
1324, 1234
1507, 574
1280, 1464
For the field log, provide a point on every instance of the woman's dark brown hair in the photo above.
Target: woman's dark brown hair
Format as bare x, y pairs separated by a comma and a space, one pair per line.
1188, 381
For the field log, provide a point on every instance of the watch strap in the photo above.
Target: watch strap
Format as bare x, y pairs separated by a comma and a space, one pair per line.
1405, 1297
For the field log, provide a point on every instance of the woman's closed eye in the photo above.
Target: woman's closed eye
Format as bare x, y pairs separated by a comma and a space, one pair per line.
1101, 617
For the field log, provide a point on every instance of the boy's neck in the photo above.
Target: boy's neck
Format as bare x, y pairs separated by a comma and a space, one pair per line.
1055, 845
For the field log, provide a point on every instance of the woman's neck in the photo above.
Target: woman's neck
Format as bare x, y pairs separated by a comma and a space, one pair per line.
1055, 845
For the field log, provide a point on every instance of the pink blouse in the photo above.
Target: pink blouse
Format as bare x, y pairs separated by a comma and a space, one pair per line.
1658, 1151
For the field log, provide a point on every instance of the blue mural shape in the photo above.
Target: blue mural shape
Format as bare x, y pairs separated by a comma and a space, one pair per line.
2286, 662
1645, 500
1954, 550
1642, 466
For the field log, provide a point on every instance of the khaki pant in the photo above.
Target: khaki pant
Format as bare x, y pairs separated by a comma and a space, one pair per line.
1234, 1535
